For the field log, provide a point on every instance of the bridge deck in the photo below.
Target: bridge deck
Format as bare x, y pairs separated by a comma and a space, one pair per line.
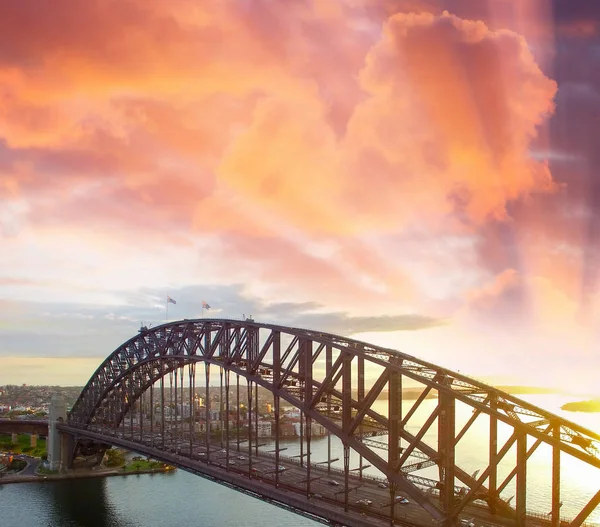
321, 500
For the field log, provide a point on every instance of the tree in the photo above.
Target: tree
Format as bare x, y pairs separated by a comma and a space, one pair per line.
114, 458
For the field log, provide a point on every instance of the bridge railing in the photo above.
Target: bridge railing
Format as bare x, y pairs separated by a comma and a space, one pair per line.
545, 519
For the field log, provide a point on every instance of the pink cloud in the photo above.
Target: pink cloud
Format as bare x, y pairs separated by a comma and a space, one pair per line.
299, 146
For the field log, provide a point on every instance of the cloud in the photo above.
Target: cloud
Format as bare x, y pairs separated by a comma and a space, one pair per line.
345, 162
55, 331
470, 100
342, 324
273, 136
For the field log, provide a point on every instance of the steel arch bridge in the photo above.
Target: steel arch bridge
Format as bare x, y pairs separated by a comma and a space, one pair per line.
324, 377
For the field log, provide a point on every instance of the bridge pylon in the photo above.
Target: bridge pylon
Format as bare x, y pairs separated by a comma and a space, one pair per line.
57, 414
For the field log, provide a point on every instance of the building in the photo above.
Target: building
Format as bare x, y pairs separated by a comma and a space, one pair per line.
264, 428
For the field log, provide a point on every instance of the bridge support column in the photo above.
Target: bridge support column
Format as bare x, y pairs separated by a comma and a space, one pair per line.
33, 440
361, 396
276, 400
395, 417
446, 435
67, 445
521, 479
395, 422
493, 458
308, 395
328, 365
14, 437
57, 414
346, 418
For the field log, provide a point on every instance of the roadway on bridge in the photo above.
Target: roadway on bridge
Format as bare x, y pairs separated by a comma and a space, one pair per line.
325, 486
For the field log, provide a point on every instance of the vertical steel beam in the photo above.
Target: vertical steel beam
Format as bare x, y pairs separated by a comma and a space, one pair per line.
207, 408
301, 438
346, 418
556, 477
227, 417
141, 406
394, 424
328, 363
221, 404
237, 388
249, 414
253, 345
152, 413
521, 479
446, 433
170, 400
192, 376
181, 397
346, 474
493, 450
256, 415
301, 377
131, 404
346, 391
235, 354
361, 396
394, 416
225, 344
162, 407
174, 436
308, 394
276, 377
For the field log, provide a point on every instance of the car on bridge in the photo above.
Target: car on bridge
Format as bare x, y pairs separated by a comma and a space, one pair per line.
333, 482
402, 500
364, 502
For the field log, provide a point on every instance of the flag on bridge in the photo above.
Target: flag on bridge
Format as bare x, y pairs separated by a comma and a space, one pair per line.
169, 299
205, 305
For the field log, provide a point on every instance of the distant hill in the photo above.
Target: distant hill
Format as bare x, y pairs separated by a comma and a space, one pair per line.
524, 390
592, 405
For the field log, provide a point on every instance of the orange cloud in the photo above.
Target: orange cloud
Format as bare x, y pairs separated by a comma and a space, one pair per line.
368, 155
323, 271
452, 111
277, 130
440, 109
449, 112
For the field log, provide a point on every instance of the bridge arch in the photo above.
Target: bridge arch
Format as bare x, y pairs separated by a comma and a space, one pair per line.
323, 376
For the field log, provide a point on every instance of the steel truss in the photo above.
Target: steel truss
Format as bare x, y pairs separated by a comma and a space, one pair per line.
323, 376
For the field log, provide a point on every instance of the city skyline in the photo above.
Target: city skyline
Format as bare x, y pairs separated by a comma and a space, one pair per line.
416, 178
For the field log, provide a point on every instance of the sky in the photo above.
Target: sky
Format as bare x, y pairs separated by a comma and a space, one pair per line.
419, 174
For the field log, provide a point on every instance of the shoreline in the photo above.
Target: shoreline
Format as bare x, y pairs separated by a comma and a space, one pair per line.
45, 478
590, 406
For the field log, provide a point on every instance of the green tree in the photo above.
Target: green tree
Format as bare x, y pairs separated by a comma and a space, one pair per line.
114, 458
